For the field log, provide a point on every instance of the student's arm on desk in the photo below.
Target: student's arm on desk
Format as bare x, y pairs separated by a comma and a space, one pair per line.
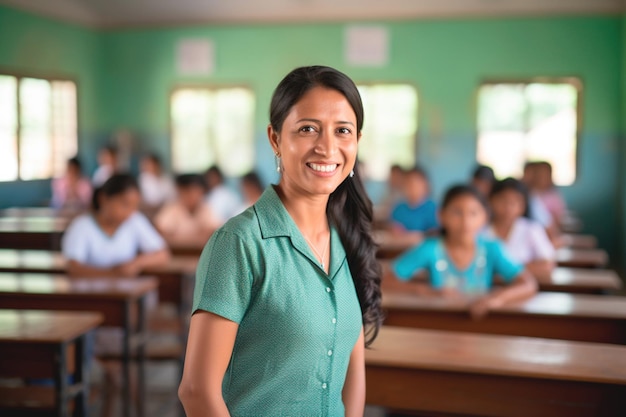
129, 269
523, 286
541, 269
209, 349
419, 285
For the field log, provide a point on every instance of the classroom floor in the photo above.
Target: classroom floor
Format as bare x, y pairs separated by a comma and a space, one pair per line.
162, 380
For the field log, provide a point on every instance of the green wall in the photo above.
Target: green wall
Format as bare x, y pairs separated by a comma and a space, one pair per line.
126, 77
30, 45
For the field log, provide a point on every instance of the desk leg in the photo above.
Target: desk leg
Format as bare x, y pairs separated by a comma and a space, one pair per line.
126, 396
141, 356
60, 381
81, 378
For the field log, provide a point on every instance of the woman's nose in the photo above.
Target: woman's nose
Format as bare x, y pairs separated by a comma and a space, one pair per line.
326, 144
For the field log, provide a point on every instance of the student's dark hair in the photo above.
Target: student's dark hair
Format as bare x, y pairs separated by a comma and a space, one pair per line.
461, 190
214, 170
155, 158
112, 149
417, 170
75, 162
253, 179
349, 207
116, 185
484, 173
190, 180
513, 185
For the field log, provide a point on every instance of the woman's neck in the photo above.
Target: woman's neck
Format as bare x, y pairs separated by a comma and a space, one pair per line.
308, 212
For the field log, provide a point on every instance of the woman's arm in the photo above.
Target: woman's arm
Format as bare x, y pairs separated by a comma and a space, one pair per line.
354, 388
523, 286
209, 349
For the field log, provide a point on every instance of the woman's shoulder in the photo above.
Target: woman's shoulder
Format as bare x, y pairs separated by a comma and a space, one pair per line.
245, 224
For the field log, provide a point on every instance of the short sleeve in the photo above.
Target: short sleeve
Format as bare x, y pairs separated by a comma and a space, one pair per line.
503, 264
223, 278
542, 247
413, 261
74, 243
148, 239
430, 221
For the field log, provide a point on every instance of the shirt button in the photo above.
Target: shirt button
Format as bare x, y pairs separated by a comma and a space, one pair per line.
324, 385
334, 320
328, 289
330, 353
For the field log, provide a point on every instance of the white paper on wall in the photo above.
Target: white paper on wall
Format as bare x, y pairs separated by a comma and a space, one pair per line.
195, 57
367, 46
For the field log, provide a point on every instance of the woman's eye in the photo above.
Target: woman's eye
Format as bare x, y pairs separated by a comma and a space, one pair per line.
307, 129
344, 131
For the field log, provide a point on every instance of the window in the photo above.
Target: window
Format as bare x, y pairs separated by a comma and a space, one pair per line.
213, 126
390, 127
38, 127
535, 121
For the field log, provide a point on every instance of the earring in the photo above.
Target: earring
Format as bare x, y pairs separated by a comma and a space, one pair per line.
351, 173
277, 158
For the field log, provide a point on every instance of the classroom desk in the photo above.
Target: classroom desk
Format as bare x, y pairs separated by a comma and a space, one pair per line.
577, 241
121, 301
391, 245
463, 374
46, 344
32, 232
577, 317
569, 280
582, 258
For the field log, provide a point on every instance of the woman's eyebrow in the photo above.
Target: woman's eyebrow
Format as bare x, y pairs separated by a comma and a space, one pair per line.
340, 122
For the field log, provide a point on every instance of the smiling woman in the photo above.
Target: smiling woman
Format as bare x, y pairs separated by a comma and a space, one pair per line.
288, 292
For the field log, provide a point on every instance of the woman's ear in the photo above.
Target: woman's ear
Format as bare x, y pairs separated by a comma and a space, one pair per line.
273, 137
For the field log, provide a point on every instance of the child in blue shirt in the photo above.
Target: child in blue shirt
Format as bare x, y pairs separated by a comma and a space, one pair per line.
417, 212
461, 262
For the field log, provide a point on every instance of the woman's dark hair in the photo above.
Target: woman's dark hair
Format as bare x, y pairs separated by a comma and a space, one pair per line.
190, 180
513, 185
349, 207
484, 173
254, 180
461, 190
116, 185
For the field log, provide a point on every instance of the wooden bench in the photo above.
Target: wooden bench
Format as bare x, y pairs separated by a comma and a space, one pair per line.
588, 318
31, 233
45, 344
459, 374
121, 301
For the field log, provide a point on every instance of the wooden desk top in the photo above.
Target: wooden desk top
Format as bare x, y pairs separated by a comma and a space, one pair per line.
59, 285
581, 257
12, 260
498, 355
32, 225
581, 277
577, 241
41, 326
547, 303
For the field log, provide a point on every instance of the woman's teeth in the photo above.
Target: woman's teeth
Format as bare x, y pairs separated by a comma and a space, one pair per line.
323, 168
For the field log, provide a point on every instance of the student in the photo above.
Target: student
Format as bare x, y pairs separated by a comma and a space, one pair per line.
483, 179
287, 293
547, 192
156, 186
107, 165
189, 218
251, 189
526, 240
463, 262
417, 213
115, 240
72, 191
222, 200
394, 193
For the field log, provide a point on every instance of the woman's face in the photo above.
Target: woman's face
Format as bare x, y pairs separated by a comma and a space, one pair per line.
317, 143
118, 208
463, 217
508, 205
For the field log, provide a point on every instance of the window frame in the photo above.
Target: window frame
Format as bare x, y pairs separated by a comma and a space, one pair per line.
416, 137
573, 80
49, 76
204, 86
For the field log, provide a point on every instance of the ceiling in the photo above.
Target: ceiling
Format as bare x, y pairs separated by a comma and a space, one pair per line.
133, 13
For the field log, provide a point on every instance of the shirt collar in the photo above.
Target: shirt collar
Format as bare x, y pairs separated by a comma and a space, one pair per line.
275, 221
